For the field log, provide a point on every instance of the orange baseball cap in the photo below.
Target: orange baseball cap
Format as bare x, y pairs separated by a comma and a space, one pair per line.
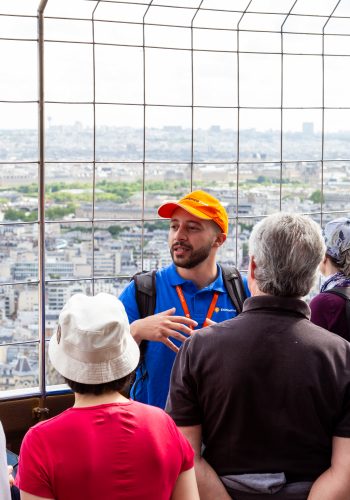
200, 204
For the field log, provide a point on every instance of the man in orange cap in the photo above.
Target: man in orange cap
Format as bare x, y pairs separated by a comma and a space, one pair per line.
193, 286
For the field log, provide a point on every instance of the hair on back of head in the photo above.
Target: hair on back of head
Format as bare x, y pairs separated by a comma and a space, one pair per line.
287, 250
343, 263
122, 385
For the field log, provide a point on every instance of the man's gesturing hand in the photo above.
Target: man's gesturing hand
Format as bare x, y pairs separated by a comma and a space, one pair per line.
161, 326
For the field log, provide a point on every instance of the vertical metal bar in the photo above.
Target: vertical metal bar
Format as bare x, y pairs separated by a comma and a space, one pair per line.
192, 97
41, 204
323, 106
238, 125
144, 132
94, 146
282, 102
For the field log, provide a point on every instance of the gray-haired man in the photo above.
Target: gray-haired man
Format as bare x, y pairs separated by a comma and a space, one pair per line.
268, 392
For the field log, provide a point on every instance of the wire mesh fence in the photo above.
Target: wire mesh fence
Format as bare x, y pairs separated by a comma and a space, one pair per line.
109, 108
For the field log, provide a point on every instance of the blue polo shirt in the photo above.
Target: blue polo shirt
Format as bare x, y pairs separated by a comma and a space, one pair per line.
152, 379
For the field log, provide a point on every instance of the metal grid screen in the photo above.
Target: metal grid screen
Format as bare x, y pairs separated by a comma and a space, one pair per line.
108, 108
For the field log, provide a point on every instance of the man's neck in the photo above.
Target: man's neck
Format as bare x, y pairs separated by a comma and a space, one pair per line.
201, 275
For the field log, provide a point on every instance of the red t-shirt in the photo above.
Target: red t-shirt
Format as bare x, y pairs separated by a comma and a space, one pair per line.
121, 450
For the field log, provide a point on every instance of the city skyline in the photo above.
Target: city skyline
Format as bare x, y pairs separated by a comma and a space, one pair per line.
193, 62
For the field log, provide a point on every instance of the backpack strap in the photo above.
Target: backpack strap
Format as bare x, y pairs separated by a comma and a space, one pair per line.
145, 295
145, 292
234, 285
345, 293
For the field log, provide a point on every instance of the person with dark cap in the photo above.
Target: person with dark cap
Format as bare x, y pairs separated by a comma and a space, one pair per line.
329, 308
106, 446
193, 287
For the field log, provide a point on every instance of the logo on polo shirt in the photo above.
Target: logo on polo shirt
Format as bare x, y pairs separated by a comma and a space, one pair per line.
225, 309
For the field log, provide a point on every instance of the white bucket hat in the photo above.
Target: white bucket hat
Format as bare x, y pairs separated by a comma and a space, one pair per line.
93, 343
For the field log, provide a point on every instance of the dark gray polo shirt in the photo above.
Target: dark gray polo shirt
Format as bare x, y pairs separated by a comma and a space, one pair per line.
269, 388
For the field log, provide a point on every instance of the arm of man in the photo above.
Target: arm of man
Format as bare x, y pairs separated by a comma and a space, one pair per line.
158, 327
334, 483
184, 407
209, 484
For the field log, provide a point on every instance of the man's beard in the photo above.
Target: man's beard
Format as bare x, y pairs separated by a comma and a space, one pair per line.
193, 258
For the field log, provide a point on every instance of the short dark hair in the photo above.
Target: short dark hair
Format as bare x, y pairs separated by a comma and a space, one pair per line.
216, 227
122, 385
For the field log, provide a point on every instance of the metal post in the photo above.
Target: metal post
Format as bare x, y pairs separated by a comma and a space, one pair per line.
41, 207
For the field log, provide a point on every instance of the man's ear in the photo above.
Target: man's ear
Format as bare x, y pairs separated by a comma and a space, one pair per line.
220, 239
251, 267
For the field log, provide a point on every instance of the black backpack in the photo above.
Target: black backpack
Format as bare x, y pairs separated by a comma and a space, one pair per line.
345, 293
145, 286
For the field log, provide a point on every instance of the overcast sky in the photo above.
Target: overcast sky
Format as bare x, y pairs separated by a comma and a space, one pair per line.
215, 80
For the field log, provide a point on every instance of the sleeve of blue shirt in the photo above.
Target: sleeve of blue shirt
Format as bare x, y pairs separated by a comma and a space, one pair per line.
127, 297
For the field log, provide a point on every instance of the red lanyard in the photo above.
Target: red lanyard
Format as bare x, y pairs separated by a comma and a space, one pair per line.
185, 307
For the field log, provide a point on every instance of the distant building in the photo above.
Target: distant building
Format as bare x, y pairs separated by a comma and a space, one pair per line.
28, 300
23, 374
29, 270
56, 296
106, 264
308, 128
10, 301
6, 376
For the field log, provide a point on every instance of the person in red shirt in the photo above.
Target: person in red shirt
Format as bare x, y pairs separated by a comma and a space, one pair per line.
106, 445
